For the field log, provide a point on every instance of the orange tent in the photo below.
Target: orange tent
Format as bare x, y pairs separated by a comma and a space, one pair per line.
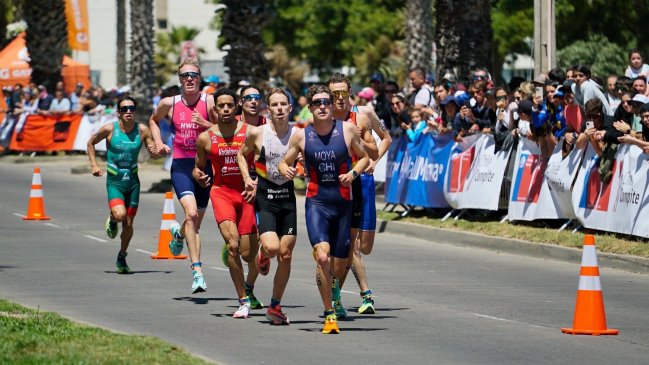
14, 67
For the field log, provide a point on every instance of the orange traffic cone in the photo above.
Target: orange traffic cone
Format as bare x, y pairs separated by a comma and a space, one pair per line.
168, 218
590, 318
36, 206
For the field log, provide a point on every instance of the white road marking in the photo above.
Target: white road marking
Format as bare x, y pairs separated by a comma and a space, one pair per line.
19, 215
219, 268
494, 318
53, 225
145, 251
95, 238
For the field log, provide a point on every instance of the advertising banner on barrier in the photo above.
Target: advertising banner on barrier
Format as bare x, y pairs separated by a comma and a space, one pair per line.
90, 125
394, 158
475, 174
42, 133
530, 197
560, 174
620, 204
423, 169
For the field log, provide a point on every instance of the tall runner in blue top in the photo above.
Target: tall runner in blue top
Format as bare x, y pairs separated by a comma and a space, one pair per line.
123, 142
274, 196
364, 205
188, 113
328, 146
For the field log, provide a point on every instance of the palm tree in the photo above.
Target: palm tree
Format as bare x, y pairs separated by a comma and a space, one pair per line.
121, 43
168, 47
464, 36
142, 75
242, 24
47, 39
419, 34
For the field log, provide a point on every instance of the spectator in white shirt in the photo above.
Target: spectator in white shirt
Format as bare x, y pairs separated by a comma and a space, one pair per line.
60, 105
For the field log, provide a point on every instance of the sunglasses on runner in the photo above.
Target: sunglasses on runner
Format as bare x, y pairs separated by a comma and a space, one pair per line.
127, 108
340, 94
193, 75
250, 97
320, 102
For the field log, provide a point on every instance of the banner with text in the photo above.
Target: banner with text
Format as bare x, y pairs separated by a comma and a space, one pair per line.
619, 205
560, 175
475, 173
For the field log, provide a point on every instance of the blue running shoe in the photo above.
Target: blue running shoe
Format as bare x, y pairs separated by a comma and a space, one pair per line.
198, 285
177, 241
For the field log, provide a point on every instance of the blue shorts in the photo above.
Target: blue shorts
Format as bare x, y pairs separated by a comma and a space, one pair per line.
184, 183
329, 222
364, 205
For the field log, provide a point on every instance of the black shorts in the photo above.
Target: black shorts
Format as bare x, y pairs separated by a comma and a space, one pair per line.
275, 207
357, 204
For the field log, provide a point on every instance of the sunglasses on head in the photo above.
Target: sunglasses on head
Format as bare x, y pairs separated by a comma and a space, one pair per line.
250, 97
127, 108
320, 102
191, 74
340, 93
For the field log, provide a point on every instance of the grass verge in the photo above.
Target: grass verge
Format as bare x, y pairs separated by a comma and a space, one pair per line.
543, 231
30, 337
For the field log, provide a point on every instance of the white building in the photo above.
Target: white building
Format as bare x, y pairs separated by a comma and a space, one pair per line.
102, 17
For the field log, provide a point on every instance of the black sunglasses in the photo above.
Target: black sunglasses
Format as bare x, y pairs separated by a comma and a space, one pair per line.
127, 108
320, 102
194, 75
501, 97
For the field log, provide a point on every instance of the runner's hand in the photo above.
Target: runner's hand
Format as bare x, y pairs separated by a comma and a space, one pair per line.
162, 150
202, 178
249, 196
96, 171
249, 184
290, 172
370, 168
153, 151
197, 118
345, 179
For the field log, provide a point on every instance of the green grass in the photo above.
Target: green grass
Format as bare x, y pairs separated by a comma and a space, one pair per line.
30, 337
544, 231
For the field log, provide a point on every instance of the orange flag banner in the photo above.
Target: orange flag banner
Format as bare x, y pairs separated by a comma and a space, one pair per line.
76, 13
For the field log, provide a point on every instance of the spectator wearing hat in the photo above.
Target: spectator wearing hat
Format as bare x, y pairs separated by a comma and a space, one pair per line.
450, 109
212, 84
365, 97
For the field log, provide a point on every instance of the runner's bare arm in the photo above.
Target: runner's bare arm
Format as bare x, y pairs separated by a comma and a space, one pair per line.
160, 113
357, 149
101, 134
202, 144
248, 147
285, 167
148, 141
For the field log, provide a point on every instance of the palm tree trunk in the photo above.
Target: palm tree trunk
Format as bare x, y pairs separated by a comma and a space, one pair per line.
419, 34
142, 74
121, 43
47, 40
464, 36
241, 31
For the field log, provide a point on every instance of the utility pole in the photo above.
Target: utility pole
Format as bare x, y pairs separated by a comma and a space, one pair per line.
545, 46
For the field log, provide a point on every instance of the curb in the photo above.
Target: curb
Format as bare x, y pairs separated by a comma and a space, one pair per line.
512, 246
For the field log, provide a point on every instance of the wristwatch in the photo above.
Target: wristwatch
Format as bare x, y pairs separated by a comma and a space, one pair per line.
354, 174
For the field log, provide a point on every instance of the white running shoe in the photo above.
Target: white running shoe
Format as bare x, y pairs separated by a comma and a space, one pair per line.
243, 311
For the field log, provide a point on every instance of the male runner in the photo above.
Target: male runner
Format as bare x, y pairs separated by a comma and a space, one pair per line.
123, 142
233, 210
250, 103
274, 198
327, 146
188, 113
364, 204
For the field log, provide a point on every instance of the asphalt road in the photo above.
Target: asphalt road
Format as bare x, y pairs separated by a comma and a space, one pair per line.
436, 303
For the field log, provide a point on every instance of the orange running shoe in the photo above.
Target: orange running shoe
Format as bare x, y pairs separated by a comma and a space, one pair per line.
331, 325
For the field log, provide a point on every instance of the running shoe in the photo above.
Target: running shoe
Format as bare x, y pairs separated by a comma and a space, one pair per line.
330, 325
243, 311
368, 305
198, 285
122, 266
276, 316
224, 255
111, 228
254, 302
177, 241
339, 309
263, 264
